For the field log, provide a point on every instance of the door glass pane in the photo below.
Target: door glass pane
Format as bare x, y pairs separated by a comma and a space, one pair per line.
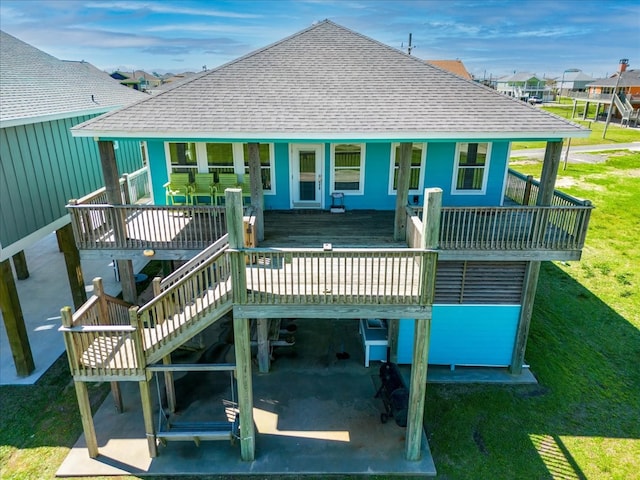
307, 182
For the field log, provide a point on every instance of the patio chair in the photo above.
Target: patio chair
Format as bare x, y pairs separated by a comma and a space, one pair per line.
203, 187
178, 189
225, 180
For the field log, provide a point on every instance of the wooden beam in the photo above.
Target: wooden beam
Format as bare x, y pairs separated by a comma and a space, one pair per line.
264, 358
332, 311
114, 197
245, 388
402, 191
393, 331
74, 267
14, 321
87, 418
422, 327
169, 385
524, 321
257, 198
550, 167
20, 265
235, 227
147, 413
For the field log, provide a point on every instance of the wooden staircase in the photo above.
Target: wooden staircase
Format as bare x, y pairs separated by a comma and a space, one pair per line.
110, 340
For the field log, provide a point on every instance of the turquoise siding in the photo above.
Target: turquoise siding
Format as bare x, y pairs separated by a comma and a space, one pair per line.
465, 335
439, 170
42, 167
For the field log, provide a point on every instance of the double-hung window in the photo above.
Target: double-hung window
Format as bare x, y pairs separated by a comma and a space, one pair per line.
347, 168
416, 173
472, 164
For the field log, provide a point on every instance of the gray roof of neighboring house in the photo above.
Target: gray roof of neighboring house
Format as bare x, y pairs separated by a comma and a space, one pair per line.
35, 86
520, 77
328, 82
578, 76
629, 78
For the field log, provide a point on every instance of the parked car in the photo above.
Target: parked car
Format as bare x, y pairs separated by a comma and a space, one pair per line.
533, 100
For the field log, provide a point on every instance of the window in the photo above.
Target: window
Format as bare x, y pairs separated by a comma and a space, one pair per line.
182, 157
220, 158
265, 165
416, 176
472, 162
347, 172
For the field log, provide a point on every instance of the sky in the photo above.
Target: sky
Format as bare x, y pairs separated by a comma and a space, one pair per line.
493, 38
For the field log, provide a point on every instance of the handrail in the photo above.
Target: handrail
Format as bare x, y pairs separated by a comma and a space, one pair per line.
517, 191
346, 276
195, 262
186, 301
136, 227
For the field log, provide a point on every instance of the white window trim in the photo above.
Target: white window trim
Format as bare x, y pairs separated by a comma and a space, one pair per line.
202, 165
392, 166
360, 191
485, 177
167, 156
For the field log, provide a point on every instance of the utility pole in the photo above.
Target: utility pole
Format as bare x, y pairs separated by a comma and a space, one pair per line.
410, 47
623, 65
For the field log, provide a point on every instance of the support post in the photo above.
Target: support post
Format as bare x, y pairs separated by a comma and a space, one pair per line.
87, 419
524, 321
422, 331
262, 331
552, 155
103, 319
114, 197
402, 191
14, 322
526, 197
169, 386
233, 202
257, 198
393, 330
74, 267
20, 264
147, 413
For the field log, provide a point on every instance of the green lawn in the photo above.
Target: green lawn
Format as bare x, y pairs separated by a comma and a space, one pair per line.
581, 421
615, 134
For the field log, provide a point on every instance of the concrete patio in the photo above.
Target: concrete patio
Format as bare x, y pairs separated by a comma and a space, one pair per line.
315, 413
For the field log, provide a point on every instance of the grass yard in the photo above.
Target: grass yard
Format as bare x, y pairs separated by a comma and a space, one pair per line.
581, 421
615, 133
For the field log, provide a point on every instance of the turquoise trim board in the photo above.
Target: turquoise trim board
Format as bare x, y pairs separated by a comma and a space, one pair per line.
439, 170
465, 335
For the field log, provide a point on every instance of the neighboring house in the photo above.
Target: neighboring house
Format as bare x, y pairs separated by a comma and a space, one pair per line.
324, 118
453, 66
573, 82
138, 80
524, 86
42, 165
628, 85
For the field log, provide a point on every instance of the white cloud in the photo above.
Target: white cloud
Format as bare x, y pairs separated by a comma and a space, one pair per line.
158, 7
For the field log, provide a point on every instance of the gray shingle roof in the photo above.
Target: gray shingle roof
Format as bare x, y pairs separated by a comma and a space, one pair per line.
629, 78
34, 85
328, 82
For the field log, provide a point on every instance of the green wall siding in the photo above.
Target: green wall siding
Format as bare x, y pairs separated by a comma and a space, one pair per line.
42, 166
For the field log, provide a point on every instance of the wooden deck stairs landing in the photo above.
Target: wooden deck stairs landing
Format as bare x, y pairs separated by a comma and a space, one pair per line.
110, 340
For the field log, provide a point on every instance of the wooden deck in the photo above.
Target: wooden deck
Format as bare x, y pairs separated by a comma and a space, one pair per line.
314, 228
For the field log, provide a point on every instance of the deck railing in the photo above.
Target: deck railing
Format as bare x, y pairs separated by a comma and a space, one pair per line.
100, 341
341, 276
135, 227
183, 302
136, 187
524, 190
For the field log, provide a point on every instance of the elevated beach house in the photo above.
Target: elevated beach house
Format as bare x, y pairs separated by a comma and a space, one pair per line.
326, 176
